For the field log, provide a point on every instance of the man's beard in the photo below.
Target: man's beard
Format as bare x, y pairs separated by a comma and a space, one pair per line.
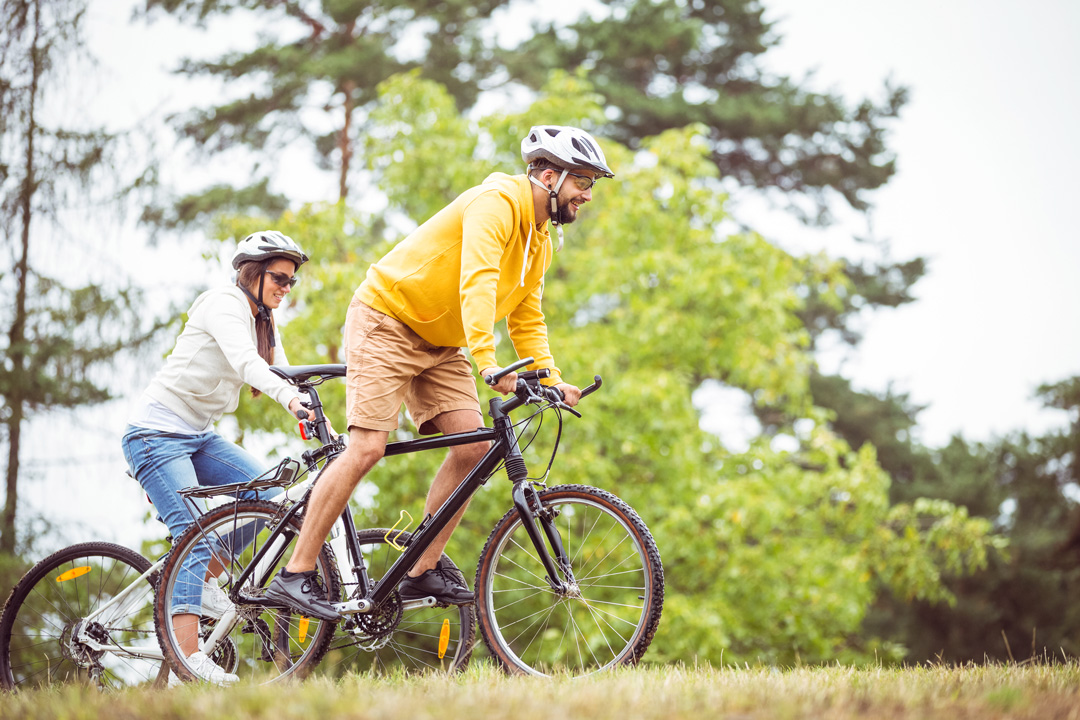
566, 215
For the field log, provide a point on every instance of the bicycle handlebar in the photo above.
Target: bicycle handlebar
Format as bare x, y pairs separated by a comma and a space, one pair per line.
498, 375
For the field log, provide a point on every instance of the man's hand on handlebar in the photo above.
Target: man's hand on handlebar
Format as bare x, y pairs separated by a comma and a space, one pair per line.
507, 384
571, 394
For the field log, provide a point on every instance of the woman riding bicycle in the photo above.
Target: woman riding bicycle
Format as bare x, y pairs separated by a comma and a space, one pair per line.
230, 340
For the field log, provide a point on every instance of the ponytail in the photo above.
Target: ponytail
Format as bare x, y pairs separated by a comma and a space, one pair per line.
249, 276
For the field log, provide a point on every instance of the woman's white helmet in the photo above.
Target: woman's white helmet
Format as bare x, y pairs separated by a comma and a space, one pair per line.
568, 147
267, 244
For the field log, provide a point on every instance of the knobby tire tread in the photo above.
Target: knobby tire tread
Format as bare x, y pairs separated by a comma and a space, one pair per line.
193, 534
655, 567
42, 570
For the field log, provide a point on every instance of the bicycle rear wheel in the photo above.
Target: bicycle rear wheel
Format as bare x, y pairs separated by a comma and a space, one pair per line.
258, 643
77, 592
609, 615
420, 640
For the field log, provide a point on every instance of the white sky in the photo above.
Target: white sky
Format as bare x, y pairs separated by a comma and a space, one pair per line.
988, 167
988, 157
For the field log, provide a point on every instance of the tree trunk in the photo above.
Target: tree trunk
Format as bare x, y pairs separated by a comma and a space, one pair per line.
17, 333
345, 142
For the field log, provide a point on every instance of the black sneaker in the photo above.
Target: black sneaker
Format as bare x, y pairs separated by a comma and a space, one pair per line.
304, 593
438, 583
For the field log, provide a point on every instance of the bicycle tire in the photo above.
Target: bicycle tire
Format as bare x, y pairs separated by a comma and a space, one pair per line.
54, 596
531, 629
426, 640
250, 648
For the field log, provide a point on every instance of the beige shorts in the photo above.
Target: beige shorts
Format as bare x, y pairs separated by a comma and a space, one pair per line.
387, 364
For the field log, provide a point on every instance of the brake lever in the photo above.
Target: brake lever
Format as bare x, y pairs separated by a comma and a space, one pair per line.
556, 396
563, 406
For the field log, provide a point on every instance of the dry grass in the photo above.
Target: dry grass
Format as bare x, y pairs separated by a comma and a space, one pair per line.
984, 692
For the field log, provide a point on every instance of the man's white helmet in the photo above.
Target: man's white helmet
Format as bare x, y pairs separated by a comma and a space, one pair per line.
567, 147
267, 244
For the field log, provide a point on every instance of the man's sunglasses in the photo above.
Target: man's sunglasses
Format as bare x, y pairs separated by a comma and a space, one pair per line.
583, 182
283, 281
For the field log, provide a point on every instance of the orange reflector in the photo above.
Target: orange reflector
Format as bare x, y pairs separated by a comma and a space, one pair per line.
444, 637
74, 573
303, 629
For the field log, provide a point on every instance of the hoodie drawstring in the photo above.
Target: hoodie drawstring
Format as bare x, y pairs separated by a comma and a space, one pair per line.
525, 260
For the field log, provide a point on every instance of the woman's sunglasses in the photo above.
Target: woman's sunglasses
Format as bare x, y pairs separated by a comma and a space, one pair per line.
283, 281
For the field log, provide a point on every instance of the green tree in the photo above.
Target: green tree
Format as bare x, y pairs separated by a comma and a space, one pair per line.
663, 64
1021, 605
774, 554
57, 339
316, 63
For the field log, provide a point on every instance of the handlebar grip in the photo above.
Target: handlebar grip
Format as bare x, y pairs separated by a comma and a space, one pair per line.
597, 382
303, 415
495, 377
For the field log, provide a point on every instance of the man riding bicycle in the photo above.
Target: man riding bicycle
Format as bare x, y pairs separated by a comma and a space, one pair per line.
480, 259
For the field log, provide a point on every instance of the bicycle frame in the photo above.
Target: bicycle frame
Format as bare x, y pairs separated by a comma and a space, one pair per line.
83, 637
504, 447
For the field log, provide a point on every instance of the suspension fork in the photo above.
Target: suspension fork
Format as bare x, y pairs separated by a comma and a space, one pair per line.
525, 497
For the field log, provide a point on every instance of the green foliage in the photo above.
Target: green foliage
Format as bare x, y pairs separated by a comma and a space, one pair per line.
318, 65
772, 555
663, 64
58, 338
1022, 605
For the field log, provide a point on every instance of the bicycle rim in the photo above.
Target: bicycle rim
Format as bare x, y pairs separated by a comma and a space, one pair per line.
60, 596
425, 640
259, 644
609, 619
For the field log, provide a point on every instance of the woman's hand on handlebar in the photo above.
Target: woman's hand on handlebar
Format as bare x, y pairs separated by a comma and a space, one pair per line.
298, 410
507, 384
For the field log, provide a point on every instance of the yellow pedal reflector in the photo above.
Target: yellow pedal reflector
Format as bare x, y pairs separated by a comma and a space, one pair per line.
444, 637
73, 573
303, 629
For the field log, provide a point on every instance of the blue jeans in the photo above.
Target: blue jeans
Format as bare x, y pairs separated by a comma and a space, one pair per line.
165, 463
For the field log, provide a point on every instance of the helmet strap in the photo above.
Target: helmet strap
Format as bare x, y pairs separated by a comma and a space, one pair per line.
261, 311
553, 196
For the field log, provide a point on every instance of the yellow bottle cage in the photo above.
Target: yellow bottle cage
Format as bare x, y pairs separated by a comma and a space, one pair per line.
394, 541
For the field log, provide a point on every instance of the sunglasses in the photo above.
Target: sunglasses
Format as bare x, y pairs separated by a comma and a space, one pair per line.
283, 281
583, 182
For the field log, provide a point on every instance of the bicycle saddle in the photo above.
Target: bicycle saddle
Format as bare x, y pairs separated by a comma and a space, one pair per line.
301, 373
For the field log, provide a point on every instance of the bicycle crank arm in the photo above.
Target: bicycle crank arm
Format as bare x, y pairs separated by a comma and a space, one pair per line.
352, 607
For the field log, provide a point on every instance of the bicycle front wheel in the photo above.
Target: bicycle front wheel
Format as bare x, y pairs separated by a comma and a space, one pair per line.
79, 616
606, 617
255, 642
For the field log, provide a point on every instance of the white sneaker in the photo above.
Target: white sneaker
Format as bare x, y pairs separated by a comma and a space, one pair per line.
208, 670
215, 602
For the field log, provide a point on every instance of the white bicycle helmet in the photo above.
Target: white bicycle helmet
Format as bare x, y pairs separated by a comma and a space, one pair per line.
568, 147
267, 244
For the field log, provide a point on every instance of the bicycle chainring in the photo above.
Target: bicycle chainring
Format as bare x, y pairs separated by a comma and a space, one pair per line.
383, 620
226, 655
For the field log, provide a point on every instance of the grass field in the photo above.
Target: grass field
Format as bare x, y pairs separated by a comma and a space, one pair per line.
985, 692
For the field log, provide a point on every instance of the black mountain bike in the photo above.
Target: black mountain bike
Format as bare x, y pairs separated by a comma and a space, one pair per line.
569, 581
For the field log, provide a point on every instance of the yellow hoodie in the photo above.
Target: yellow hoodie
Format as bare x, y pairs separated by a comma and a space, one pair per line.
478, 260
